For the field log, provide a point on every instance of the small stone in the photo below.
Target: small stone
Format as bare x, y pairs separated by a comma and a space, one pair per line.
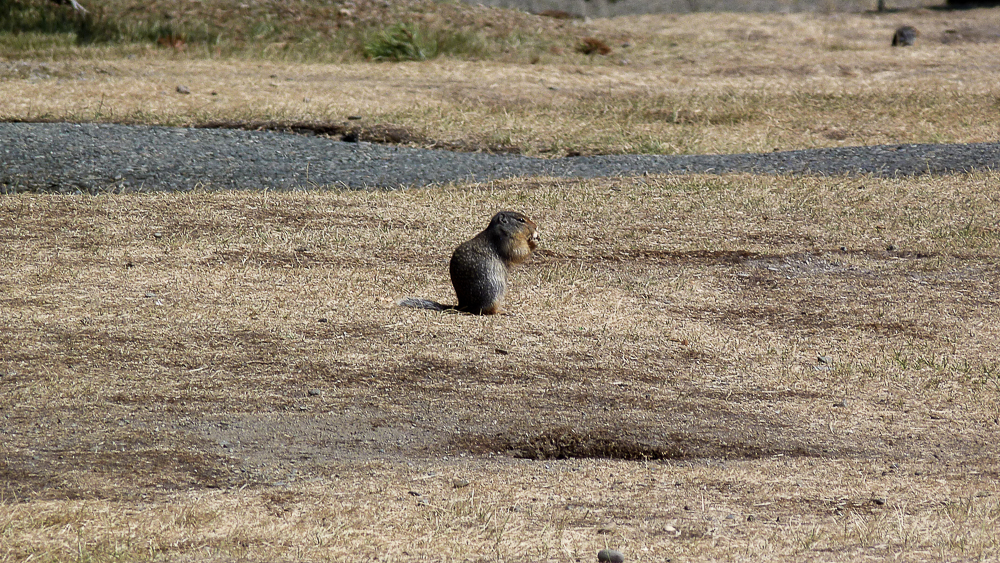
904, 36
841, 404
610, 556
315, 392
157, 235
183, 90
354, 117
459, 483
824, 359
607, 529
150, 294
879, 501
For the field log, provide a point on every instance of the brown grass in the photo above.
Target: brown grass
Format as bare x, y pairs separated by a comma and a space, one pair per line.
720, 367
699, 83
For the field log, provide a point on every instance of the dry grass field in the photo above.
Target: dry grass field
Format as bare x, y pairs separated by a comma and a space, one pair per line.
695, 368
698, 83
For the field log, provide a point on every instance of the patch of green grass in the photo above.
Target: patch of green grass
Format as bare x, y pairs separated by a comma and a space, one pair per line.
400, 42
19, 16
403, 42
30, 23
269, 29
33, 41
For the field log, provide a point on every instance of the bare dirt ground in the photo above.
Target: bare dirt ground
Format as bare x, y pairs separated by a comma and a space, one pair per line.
695, 368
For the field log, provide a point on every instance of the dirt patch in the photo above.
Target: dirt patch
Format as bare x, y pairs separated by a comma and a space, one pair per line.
377, 133
617, 443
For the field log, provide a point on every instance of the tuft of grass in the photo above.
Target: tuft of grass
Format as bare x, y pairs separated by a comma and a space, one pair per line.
405, 42
401, 42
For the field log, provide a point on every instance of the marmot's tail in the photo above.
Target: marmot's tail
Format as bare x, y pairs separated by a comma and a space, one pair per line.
417, 303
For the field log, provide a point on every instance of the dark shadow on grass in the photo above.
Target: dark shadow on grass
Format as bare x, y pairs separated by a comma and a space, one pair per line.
574, 443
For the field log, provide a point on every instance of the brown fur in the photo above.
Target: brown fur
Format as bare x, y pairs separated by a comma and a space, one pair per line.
479, 266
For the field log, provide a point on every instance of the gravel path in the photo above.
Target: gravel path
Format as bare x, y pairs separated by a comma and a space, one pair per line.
64, 157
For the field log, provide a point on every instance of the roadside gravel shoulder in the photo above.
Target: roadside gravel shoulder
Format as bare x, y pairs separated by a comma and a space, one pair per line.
69, 158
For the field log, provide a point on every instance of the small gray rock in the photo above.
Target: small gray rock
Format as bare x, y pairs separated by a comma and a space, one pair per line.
904, 36
610, 556
183, 90
315, 392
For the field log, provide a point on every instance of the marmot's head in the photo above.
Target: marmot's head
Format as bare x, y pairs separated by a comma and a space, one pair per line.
512, 224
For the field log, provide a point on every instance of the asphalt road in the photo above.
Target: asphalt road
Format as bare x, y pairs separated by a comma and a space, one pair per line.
93, 158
